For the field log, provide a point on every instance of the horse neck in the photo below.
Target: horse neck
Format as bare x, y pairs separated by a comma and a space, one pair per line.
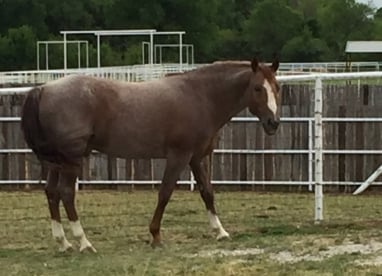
227, 94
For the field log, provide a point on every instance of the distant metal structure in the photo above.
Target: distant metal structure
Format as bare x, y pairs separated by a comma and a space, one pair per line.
180, 35
100, 33
188, 47
358, 47
49, 42
363, 47
144, 44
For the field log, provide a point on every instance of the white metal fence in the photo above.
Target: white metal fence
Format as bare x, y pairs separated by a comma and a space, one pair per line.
147, 72
318, 126
126, 73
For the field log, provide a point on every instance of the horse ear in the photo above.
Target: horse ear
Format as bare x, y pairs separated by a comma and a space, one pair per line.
275, 64
255, 64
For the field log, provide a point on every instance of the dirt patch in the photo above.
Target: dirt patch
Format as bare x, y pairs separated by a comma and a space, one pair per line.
293, 257
376, 261
330, 251
226, 252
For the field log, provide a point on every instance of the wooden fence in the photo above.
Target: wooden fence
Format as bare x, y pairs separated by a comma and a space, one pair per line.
340, 100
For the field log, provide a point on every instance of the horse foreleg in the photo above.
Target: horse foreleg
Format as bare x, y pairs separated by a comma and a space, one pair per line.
66, 186
200, 169
174, 166
53, 197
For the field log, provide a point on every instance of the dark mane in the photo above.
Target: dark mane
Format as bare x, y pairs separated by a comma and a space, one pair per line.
268, 73
233, 62
218, 66
171, 74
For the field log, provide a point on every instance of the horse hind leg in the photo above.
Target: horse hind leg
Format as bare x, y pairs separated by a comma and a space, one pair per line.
53, 198
200, 170
66, 187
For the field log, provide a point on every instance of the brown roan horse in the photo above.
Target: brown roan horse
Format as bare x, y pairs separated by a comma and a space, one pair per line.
176, 118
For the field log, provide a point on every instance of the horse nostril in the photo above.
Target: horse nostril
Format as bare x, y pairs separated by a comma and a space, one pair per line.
273, 123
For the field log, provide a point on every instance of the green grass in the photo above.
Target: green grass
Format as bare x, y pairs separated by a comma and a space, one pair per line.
117, 225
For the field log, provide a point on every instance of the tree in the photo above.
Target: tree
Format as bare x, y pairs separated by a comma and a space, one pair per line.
271, 24
301, 30
343, 20
305, 48
377, 25
198, 19
68, 14
16, 13
18, 48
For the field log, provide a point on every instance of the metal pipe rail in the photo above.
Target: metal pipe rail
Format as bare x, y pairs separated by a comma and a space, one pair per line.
125, 73
142, 72
184, 182
318, 139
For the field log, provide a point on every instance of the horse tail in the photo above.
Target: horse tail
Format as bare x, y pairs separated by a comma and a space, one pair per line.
33, 130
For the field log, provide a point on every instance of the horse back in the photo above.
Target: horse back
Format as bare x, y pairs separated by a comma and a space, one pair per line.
119, 118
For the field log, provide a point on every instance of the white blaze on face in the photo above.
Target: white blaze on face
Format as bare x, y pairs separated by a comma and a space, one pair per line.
272, 105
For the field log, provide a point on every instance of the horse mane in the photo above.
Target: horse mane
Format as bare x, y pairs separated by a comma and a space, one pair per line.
217, 66
171, 74
232, 62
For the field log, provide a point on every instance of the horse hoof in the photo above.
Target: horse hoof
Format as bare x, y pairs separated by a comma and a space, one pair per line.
88, 248
66, 248
223, 236
156, 245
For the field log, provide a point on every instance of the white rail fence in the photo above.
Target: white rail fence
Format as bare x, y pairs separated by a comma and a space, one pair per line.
315, 150
331, 67
126, 73
318, 126
147, 72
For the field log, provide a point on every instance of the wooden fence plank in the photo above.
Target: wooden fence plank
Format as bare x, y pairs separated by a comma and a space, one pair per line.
340, 100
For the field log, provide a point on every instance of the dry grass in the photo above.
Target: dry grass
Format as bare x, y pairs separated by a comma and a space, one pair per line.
263, 228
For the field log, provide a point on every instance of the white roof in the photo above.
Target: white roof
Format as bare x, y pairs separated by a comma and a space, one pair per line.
363, 47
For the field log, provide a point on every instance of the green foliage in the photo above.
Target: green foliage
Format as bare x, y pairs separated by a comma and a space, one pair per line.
377, 27
299, 30
270, 25
16, 13
305, 47
19, 45
343, 20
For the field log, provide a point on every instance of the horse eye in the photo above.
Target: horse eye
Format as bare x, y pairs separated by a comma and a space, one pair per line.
258, 88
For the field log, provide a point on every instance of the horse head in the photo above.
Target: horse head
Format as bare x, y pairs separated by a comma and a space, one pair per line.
264, 95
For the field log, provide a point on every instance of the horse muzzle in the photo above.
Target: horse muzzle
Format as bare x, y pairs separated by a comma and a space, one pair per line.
270, 126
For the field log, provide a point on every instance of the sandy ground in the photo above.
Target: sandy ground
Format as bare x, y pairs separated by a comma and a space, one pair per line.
292, 257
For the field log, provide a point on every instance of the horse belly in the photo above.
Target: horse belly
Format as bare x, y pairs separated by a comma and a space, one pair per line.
126, 144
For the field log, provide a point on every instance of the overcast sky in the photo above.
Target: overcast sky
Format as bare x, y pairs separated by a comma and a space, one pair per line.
375, 3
